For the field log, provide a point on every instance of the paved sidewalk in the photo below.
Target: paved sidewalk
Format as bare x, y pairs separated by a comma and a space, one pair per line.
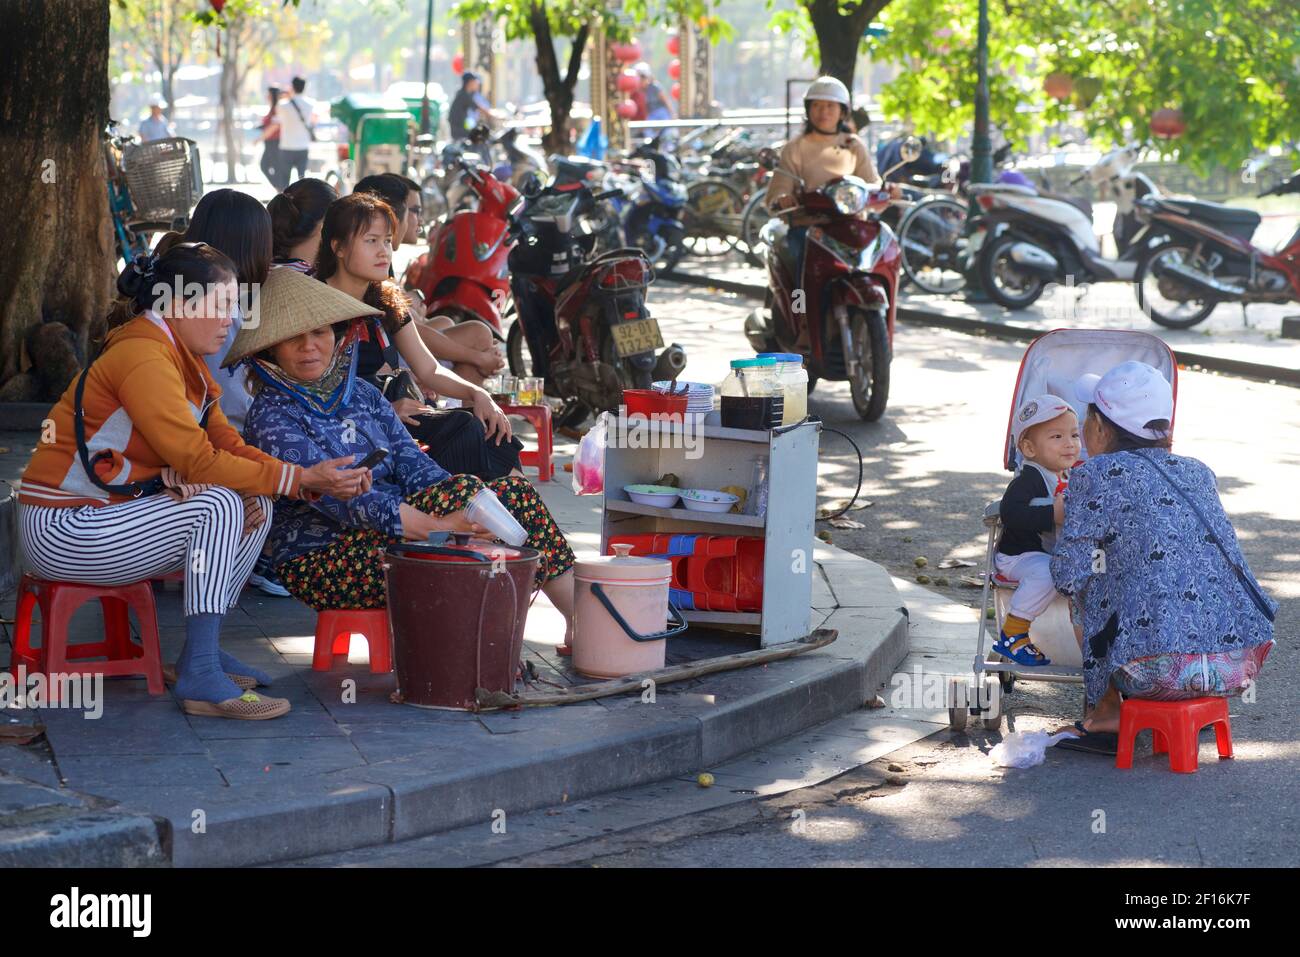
333, 776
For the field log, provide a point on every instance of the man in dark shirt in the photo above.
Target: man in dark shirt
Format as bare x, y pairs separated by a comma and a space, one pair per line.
1046, 434
468, 107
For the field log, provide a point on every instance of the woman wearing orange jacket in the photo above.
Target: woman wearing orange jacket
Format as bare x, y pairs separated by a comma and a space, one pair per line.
139, 474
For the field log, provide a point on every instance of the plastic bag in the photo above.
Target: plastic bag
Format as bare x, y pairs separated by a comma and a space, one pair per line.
589, 463
1024, 749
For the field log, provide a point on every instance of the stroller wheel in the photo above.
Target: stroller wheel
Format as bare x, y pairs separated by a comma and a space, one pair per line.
1008, 681
992, 724
957, 718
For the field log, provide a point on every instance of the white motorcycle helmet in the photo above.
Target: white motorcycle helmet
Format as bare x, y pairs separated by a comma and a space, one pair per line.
828, 88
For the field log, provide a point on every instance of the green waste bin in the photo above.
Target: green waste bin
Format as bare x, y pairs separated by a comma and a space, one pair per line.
379, 132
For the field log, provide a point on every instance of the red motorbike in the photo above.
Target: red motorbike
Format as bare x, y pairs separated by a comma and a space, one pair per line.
582, 320
465, 273
1209, 258
836, 309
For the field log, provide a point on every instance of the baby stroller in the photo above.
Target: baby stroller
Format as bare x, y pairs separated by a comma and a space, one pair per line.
1052, 364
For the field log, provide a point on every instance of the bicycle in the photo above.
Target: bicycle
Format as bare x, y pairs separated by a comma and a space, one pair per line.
127, 243
152, 187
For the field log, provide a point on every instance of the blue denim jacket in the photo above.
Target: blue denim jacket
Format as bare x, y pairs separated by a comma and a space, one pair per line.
1142, 569
286, 429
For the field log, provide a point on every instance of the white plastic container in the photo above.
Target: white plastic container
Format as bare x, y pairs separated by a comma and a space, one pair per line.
637, 588
486, 509
793, 379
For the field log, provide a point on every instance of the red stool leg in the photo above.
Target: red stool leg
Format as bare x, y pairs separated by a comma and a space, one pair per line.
1184, 746
1223, 738
23, 654
117, 629
149, 652
380, 644
62, 604
1128, 731
322, 658
544, 440
1159, 743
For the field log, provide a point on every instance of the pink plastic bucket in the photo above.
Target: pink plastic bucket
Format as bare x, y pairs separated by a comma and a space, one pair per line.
622, 617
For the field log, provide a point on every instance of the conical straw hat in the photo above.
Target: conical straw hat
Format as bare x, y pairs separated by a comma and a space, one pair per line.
289, 304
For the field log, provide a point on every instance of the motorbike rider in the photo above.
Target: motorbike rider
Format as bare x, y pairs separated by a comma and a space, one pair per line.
824, 151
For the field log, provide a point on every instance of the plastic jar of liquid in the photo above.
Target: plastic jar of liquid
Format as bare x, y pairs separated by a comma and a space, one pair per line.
751, 396
793, 379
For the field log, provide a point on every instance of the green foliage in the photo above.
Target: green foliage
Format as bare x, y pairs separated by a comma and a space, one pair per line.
567, 17
934, 43
1229, 65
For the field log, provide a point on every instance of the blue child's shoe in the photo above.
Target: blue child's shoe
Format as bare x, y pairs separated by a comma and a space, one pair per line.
1020, 650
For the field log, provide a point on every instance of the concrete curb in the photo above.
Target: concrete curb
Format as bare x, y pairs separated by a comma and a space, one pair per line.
915, 315
407, 797
42, 826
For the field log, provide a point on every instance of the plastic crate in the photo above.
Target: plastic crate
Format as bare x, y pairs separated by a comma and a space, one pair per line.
164, 178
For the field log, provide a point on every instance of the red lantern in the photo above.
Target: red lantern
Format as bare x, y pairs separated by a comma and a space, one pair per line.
627, 81
626, 52
677, 91
627, 109
675, 69
458, 63
217, 4
1167, 124
1058, 86
674, 45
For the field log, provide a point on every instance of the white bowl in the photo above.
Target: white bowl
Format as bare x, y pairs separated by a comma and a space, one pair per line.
708, 500
663, 497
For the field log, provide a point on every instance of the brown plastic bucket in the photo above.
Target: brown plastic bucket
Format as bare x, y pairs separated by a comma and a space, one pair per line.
458, 615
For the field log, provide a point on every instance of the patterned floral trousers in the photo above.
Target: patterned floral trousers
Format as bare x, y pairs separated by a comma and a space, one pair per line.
347, 573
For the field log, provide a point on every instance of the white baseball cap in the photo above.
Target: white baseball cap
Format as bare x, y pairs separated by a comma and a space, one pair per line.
1043, 408
1130, 395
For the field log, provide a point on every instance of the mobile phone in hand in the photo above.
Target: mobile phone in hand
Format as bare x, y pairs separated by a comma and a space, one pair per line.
373, 459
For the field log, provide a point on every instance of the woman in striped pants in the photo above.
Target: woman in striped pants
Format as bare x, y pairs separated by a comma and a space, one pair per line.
139, 474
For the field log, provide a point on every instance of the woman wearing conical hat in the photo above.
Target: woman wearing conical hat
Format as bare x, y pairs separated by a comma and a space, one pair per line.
310, 404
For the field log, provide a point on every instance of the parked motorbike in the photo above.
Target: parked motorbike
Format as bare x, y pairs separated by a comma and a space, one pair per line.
653, 222
1033, 238
520, 158
584, 323
602, 218
838, 312
1208, 258
465, 274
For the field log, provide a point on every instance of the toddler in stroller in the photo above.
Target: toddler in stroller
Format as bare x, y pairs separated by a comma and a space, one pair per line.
1046, 432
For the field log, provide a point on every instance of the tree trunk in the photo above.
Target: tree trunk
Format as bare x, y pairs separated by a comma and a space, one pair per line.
557, 89
840, 34
230, 98
53, 108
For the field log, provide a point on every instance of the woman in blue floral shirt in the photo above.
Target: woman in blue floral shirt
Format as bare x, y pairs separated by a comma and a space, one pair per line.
327, 553
1168, 607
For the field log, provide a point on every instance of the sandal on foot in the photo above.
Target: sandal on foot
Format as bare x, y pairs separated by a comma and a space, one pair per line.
1020, 650
1091, 742
247, 707
244, 682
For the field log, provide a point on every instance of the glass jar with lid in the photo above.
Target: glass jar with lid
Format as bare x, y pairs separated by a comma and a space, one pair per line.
793, 380
751, 395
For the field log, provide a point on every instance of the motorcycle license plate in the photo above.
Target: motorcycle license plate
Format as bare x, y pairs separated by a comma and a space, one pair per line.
633, 338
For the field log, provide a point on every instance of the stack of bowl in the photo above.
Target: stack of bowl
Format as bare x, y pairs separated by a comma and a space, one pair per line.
699, 397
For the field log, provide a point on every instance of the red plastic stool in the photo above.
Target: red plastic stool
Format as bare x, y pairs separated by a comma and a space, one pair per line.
58, 601
334, 631
540, 417
1175, 727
